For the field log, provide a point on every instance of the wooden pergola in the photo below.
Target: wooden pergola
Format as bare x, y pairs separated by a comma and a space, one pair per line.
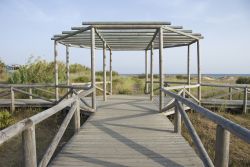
127, 36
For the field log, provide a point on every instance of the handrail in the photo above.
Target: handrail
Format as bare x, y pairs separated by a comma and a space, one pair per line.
86, 86
213, 85
234, 128
182, 87
20, 126
27, 128
200, 148
224, 127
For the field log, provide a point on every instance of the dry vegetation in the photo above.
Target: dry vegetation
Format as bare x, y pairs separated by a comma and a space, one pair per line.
239, 150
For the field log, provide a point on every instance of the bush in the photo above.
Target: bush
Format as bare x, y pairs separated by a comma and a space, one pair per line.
76, 68
243, 80
82, 79
38, 71
181, 77
100, 73
5, 119
2, 67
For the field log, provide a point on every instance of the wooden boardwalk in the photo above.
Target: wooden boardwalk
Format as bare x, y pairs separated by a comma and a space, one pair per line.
127, 131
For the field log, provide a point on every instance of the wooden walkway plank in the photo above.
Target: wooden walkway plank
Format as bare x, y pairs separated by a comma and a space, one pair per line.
127, 131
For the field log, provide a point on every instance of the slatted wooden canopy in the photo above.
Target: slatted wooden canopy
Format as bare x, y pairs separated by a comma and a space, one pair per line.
127, 35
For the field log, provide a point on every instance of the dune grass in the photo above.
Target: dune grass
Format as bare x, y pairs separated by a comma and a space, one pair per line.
239, 154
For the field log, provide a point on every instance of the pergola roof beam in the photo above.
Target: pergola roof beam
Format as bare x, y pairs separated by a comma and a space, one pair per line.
127, 23
128, 35
103, 32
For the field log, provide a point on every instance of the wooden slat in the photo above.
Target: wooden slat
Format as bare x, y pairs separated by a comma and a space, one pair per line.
127, 131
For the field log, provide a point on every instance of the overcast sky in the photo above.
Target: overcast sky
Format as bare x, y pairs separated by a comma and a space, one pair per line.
27, 26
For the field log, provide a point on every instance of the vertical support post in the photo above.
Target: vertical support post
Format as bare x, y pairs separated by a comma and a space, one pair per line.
56, 71
188, 67
67, 67
199, 71
110, 72
104, 72
245, 101
12, 94
29, 147
161, 94
177, 119
146, 71
93, 67
151, 72
222, 147
77, 121
30, 91
230, 93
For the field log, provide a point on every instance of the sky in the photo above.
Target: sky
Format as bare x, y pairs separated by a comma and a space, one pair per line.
27, 26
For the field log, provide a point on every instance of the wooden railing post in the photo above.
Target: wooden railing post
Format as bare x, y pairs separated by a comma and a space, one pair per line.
104, 72
222, 147
245, 101
30, 91
29, 147
151, 72
230, 93
12, 94
146, 71
76, 117
110, 72
93, 84
177, 119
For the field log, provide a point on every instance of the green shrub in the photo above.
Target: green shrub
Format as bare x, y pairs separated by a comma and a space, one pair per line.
181, 77
76, 68
82, 79
100, 73
39, 71
2, 67
243, 80
5, 119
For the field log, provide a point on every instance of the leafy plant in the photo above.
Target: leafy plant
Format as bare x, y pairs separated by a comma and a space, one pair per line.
243, 80
5, 119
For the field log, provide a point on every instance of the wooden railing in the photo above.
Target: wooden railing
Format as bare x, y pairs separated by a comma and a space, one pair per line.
183, 90
224, 128
27, 127
44, 94
232, 89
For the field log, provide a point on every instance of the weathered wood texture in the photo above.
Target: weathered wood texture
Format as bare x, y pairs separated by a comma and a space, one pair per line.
127, 131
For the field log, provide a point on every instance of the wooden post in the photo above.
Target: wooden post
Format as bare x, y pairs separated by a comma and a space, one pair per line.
222, 147
12, 94
104, 72
67, 67
161, 94
188, 67
56, 71
93, 67
151, 72
30, 91
230, 93
245, 101
146, 71
77, 117
177, 119
110, 72
199, 71
29, 147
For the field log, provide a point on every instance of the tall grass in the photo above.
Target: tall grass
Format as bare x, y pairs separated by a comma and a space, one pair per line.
39, 71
